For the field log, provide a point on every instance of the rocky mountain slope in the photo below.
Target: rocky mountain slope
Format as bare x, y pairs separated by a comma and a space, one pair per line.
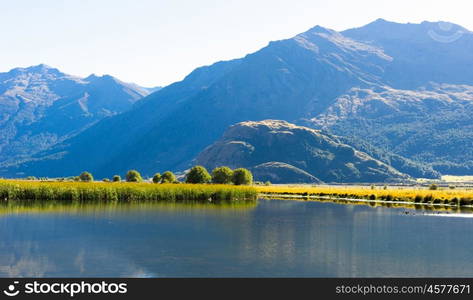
41, 106
282, 152
389, 73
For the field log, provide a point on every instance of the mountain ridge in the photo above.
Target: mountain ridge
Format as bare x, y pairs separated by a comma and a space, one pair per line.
300, 80
40, 106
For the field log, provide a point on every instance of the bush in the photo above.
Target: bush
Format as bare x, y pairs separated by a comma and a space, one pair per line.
133, 176
168, 177
198, 174
222, 175
86, 176
106, 180
433, 187
116, 178
242, 176
157, 178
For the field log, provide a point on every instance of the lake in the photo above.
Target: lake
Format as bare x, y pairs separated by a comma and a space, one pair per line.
270, 238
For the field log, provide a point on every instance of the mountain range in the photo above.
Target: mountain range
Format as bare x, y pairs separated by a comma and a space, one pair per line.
41, 107
399, 93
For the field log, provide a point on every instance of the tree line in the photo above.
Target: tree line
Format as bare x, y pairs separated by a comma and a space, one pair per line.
197, 174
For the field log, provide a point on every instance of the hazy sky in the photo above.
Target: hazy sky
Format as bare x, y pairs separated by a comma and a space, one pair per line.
154, 42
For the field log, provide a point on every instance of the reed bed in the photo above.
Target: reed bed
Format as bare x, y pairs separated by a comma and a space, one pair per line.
456, 197
122, 192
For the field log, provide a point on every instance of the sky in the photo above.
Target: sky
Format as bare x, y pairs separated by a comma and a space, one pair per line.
155, 43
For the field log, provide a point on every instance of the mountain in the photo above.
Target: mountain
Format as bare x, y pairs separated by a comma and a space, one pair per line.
433, 125
399, 92
41, 106
438, 52
285, 153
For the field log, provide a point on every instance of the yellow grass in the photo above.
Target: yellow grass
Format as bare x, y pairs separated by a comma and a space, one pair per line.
120, 191
443, 196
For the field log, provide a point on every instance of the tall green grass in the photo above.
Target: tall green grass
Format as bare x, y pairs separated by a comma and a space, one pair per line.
122, 192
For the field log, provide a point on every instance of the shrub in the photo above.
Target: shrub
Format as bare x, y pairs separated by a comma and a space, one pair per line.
242, 176
267, 183
198, 174
222, 175
168, 177
86, 176
106, 180
116, 178
133, 176
433, 187
157, 178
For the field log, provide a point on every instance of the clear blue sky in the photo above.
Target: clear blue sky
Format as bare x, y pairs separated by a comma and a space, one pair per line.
154, 42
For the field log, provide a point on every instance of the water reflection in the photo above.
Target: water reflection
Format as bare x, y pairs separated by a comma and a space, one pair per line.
272, 238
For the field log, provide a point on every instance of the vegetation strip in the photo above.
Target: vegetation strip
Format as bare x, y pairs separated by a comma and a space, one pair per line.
288, 197
123, 192
450, 197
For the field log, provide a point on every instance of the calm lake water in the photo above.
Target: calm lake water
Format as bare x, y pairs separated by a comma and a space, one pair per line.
271, 238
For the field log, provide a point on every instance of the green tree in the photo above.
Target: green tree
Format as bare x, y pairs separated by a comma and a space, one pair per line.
106, 180
222, 175
157, 178
198, 174
133, 176
168, 177
116, 178
86, 176
433, 187
242, 176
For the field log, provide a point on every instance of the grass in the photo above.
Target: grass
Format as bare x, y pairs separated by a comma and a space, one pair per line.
122, 192
456, 197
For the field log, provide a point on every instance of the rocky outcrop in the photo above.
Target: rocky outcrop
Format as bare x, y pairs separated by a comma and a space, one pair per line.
282, 152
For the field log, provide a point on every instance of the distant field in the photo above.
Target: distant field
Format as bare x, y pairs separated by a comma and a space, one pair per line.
451, 178
421, 195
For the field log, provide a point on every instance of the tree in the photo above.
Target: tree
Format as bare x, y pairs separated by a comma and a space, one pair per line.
116, 178
157, 178
242, 176
168, 177
198, 174
222, 175
433, 187
86, 176
133, 176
